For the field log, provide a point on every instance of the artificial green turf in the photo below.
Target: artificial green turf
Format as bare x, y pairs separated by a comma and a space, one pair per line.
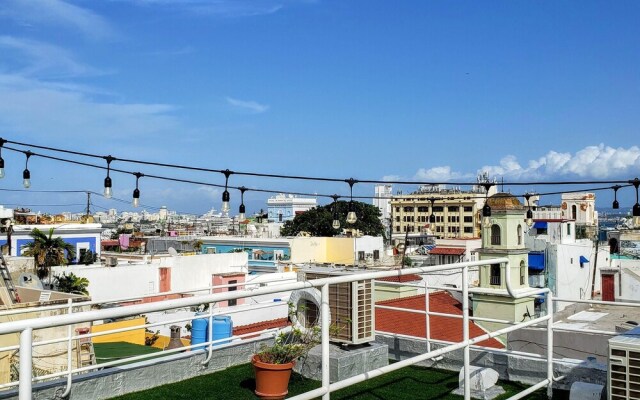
106, 352
409, 383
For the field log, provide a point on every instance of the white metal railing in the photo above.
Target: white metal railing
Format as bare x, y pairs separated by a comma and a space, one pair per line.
26, 327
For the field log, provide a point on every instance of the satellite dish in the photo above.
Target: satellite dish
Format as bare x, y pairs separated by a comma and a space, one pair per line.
29, 280
172, 252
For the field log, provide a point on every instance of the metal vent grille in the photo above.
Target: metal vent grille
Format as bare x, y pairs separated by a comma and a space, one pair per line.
624, 374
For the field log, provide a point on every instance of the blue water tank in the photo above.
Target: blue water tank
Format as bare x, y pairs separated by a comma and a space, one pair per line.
222, 328
199, 331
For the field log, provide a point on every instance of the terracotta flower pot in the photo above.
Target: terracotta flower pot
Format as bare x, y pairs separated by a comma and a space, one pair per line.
272, 380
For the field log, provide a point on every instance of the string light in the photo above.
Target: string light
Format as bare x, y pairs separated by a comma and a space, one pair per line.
486, 210
2, 142
529, 219
615, 204
225, 195
336, 221
432, 217
351, 215
636, 207
136, 191
108, 191
241, 209
26, 174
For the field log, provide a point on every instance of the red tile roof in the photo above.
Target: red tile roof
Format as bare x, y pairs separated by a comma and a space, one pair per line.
442, 328
260, 326
445, 251
401, 278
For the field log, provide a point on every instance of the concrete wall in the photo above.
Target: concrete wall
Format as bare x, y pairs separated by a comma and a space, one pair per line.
112, 382
512, 368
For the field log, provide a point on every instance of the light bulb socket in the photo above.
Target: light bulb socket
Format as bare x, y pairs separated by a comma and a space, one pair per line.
486, 210
107, 182
1, 162
615, 205
225, 196
432, 219
242, 209
26, 174
636, 210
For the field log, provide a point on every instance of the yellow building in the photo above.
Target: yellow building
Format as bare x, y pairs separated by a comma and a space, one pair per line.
457, 213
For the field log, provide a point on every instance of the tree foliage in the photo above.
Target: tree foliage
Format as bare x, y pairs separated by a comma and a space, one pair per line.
48, 251
318, 221
72, 284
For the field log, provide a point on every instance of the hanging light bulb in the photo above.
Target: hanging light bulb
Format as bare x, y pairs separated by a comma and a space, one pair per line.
351, 215
108, 192
2, 142
225, 195
136, 191
432, 217
529, 219
26, 175
241, 210
636, 207
615, 204
486, 214
336, 220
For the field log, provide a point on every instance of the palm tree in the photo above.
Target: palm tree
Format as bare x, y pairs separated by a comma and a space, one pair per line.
48, 251
72, 284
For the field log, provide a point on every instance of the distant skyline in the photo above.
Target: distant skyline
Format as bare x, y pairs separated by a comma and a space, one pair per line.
410, 90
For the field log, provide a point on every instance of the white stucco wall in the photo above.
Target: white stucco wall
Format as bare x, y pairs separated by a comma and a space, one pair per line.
131, 280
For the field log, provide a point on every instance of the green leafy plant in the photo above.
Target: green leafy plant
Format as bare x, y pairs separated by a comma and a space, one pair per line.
290, 345
72, 283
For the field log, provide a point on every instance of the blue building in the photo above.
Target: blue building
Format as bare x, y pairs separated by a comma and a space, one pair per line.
263, 253
281, 208
84, 237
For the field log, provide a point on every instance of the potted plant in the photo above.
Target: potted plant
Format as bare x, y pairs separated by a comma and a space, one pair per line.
273, 364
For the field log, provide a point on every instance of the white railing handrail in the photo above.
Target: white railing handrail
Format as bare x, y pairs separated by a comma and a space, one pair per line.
93, 315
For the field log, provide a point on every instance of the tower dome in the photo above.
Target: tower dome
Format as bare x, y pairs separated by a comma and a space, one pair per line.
503, 202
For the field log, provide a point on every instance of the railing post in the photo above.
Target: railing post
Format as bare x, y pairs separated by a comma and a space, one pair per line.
325, 315
465, 331
550, 344
26, 364
427, 326
67, 390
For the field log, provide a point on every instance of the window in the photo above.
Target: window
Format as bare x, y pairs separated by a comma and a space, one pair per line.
279, 217
453, 218
468, 219
211, 250
408, 209
494, 279
574, 211
233, 302
495, 235
397, 218
397, 228
519, 234
423, 209
523, 272
569, 229
376, 254
468, 229
468, 209
438, 209
397, 209
453, 208
361, 256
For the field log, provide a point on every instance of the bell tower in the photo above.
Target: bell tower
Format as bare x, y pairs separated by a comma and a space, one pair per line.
503, 237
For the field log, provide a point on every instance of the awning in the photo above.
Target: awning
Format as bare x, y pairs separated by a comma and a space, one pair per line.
536, 261
540, 225
583, 260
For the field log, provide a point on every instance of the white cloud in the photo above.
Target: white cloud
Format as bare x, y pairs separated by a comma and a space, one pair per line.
57, 13
44, 110
44, 59
222, 8
599, 162
437, 174
251, 106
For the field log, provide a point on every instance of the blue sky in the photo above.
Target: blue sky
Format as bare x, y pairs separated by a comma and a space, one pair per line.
367, 89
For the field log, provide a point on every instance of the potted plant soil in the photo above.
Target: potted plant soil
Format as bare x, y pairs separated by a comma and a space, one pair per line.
273, 364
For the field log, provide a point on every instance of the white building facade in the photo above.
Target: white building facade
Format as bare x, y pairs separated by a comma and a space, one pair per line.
283, 207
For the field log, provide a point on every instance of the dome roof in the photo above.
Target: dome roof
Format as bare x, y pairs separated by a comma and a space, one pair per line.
504, 201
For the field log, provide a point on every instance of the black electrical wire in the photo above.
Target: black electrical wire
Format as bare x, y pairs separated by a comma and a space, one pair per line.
311, 178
